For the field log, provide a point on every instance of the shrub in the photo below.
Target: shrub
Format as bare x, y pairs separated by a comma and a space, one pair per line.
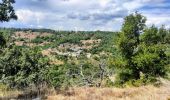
21, 67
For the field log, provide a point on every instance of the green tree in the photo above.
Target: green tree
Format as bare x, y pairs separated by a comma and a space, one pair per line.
7, 11
150, 35
2, 40
162, 34
129, 40
129, 37
6, 14
143, 57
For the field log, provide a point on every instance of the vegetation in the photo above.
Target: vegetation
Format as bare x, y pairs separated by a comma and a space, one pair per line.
22, 67
138, 55
7, 11
142, 52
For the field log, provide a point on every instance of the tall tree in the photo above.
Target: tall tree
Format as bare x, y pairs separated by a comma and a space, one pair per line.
142, 52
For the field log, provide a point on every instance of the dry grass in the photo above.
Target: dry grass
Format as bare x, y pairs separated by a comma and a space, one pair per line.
92, 93
30, 35
53, 60
46, 52
9, 93
141, 93
90, 41
21, 43
56, 62
135, 93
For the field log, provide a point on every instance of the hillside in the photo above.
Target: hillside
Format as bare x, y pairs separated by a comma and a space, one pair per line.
101, 65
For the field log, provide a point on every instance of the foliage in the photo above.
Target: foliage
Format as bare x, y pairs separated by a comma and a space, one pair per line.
85, 74
6, 11
143, 55
2, 40
57, 76
129, 37
21, 67
138, 53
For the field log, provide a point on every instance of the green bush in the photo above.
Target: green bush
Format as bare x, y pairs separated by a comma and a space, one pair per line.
21, 67
57, 76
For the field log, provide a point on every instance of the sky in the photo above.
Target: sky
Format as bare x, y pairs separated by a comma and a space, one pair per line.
86, 15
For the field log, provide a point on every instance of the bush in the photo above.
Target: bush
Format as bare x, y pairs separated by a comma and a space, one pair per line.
21, 67
57, 76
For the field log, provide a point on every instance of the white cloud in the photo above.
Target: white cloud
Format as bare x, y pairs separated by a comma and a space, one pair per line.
26, 16
86, 15
158, 20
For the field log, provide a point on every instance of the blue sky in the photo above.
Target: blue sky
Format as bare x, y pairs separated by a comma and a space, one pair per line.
86, 14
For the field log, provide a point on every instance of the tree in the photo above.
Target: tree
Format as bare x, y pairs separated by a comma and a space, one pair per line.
143, 55
162, 34
129, 40
2, 40
150, 35
129, 37
7, 11
154, 35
